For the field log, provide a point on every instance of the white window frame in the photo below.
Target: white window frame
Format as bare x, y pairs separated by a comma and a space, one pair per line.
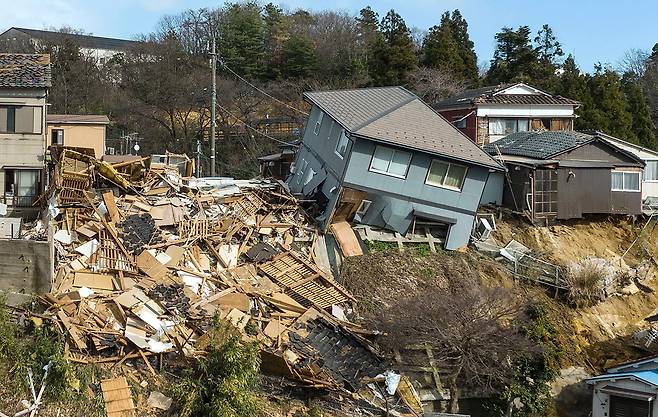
644, 179
318, 124
623, 181
378, 171
302, 167
363, 207
450, 164
347, 143
516, 130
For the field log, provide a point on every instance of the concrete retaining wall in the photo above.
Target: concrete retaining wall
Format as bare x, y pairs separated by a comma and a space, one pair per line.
25, 265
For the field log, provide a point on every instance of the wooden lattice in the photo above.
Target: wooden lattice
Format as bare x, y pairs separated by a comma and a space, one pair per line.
110, 257
303, 282
194, 228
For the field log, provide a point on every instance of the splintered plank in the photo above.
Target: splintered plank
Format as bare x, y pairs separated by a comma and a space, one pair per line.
302, 281
118, 398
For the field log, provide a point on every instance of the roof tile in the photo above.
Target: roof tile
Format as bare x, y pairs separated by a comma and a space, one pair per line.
25, 70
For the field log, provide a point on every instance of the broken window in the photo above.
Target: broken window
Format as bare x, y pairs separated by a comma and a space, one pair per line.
363, 207
390, 162
57, 137
625, 181
21, 186
20, 119
341, 145
446, 175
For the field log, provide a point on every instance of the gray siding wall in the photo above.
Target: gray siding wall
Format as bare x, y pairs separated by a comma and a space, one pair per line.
493, 189
598, 151
394, 199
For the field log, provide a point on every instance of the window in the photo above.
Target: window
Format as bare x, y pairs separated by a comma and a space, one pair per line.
545, 191
309, 176
363, 207
21, 186
390, 162
318, 124
460, 123
341, 145
57, 137
20, 119
651, 171
625, 181
505, 126
447, 175
302, 168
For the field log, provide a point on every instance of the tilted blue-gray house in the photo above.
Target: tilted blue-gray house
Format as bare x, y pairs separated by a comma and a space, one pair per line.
382, 157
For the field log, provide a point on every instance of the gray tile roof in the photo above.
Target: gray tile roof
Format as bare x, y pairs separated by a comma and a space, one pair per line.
396, 116
85, 41
486, 95
539, 145
25, 70
78, 119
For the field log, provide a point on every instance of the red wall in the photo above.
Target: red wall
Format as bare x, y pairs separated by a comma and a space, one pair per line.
471, 121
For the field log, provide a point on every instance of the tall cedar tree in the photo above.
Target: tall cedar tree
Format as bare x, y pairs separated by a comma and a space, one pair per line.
640, 112
393, 52
650, 84
466, 47
549, 52
440, 49
241, 39
514, 57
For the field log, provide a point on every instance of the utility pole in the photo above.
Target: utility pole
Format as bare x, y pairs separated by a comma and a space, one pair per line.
213, 104
198, 158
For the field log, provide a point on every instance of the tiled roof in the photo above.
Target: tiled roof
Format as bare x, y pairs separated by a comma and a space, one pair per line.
25, 70
487, 95
540, 145
396, 116
78, 118
85, 41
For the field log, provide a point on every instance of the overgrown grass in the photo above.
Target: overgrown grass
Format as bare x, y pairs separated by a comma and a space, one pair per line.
377, 246
585, 284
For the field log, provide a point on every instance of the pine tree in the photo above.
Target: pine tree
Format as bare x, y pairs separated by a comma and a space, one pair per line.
241, 39
298, 57
393, 52
640, 112
549, 51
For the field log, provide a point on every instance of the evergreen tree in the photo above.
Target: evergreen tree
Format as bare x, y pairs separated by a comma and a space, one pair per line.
298, 57
640, 112
465, 46
549, 51
277, 32
393, 52
514, 57
440, 48
367, 26
241, 39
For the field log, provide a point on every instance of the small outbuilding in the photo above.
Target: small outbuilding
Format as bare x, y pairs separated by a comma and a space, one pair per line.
566, 174
627, 390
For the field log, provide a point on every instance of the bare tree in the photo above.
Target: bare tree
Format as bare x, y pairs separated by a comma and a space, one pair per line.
469, 327
634, 61
433, 85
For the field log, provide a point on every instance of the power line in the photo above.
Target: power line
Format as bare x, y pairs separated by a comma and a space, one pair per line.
245, 124
261, 91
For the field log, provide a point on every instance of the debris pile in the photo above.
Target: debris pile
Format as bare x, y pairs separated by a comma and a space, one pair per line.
146, 257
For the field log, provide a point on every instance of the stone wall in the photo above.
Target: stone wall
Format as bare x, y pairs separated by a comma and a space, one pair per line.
25, 265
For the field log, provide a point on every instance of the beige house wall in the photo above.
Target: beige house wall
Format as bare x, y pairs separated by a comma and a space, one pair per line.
23, 149
84, 135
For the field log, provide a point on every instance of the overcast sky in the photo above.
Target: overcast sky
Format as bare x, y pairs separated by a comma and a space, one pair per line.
593, 30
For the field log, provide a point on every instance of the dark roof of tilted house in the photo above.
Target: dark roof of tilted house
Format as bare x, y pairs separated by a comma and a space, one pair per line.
85, 41
546, 144
488, 95
93, 119
395, 116
25, 70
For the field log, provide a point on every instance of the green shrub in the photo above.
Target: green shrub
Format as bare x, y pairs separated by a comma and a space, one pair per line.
224, 382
